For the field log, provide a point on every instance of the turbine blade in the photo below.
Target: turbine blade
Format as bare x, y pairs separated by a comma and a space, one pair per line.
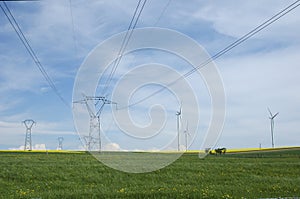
275, 114
270, 112
180, 107
187, 125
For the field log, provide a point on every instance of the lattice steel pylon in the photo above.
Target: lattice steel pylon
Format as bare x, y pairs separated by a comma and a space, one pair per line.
60, 143
28, 142
93, 139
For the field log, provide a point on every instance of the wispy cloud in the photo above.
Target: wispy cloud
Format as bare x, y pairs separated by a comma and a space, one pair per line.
261, 72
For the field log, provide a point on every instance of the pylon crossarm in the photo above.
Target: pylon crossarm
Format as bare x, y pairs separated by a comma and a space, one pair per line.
95, 98
28, 123
79, 102
105, 101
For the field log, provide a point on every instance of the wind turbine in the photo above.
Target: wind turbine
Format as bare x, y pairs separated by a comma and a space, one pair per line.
272, 125
178, 114
186, 133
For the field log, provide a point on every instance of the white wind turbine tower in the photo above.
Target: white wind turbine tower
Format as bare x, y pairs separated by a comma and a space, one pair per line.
186, 133
178, 114
272, 125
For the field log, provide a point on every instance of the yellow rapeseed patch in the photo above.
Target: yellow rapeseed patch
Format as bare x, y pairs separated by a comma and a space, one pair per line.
43, 151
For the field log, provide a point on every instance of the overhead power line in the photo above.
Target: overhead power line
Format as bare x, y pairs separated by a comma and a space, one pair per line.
134, 20
162, 12
226, 49
73, 28
29, 49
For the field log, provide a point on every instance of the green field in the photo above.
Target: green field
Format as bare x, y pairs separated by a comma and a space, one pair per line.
69, 175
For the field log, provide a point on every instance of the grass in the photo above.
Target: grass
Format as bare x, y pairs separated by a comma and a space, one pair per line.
263, 174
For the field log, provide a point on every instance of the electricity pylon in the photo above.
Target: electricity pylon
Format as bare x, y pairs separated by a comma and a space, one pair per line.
94, 136
28, 142
60, 143
272, 125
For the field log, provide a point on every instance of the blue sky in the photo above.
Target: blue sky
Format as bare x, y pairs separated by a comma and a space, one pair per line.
262, 72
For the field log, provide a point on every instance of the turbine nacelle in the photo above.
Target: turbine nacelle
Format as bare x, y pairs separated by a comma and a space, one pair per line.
271, 115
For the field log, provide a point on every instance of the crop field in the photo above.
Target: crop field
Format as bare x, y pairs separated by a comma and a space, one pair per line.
258, 174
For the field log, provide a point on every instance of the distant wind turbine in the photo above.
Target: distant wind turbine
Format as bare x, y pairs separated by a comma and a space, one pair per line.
272, 125
186, 133
178, 114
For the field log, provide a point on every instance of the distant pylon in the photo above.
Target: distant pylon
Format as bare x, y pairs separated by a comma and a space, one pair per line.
60, 143
93, 139
28, 142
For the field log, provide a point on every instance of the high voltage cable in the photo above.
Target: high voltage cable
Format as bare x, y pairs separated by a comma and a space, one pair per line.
129, 32
124, 43
73, 28
247, 36
29, 49
162, 12
226, 49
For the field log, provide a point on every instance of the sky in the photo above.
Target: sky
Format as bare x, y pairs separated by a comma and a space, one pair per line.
261, 72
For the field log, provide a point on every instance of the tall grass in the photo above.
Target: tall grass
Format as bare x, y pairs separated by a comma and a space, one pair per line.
67, 175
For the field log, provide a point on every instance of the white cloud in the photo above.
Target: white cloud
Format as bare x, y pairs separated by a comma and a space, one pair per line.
39, 147
235, 19
254, 82
15, 76
112, 147
267, 75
